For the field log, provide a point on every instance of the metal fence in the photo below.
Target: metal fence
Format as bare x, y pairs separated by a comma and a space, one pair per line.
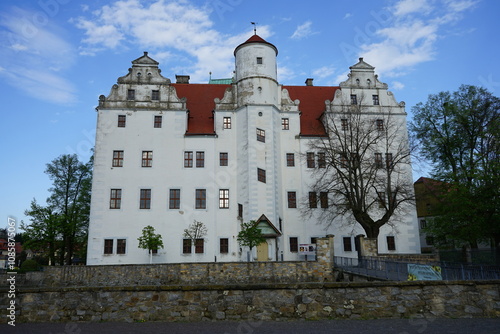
398, 271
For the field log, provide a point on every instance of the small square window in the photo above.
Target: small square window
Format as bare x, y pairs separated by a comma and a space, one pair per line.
285, 124
375, 100
131, 94
344, 124
155, 95
158, 121
122, 119
261, 175
380, 124
259, 60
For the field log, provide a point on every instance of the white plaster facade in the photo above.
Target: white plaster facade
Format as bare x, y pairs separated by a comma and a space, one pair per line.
194, 119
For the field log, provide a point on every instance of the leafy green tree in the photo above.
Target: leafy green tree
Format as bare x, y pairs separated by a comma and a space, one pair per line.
459, 135
63, 223
250, 235
150, 240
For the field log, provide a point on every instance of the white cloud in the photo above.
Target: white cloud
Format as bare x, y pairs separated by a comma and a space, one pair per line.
165, 28
406, 7
33, 56
324, 72
396, 85
304, 30
347, 15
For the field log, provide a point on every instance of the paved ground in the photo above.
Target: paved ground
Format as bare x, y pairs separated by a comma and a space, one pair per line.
382, 326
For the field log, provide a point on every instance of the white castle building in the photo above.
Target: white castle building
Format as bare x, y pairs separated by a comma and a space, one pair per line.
168, 154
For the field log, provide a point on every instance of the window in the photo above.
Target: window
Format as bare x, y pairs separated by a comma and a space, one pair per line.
314, 240
294, 244
122, 120
313, 200
186, 246
240, 210
381, 199
380, 124
292, 199
154, 251
259, 60
200, 159
261, 135
115, 199
224, 199
223, 159
227, 122
155, 95
347, 241
343, 160
375, 100
188, 159
428, 208
175, 199
147, 158
388, 160
378, 160
423, 223
158, 120
429, 240
321, 160
117, 159
310, 160
121, 245
323, 198
261, 175
354, 99
285, 124
199, 246
131, 94
145, 200
290, 160
223, 245
201, 199
391, 243
108, 246
345, 124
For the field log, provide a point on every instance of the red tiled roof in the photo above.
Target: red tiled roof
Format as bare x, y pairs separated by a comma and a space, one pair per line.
256, 39
312, 105
200, 103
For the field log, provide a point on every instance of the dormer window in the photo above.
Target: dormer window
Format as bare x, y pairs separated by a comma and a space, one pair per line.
259, 60
131, 94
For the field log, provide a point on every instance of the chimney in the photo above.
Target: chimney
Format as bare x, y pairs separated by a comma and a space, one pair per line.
309, 81
182, 79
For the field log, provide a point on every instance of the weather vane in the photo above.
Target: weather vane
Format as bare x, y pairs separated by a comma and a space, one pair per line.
254, 27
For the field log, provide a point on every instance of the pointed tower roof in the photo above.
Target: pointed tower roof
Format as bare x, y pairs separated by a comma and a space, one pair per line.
255, 39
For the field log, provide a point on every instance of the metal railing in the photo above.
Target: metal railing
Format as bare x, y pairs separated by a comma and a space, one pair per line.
398, 271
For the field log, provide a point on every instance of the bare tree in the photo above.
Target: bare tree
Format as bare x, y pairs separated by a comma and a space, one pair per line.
363, 165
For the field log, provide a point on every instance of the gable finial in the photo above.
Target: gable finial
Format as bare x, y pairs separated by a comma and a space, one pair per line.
254, 27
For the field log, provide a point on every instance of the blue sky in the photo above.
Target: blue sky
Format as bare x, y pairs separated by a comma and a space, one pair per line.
58, 56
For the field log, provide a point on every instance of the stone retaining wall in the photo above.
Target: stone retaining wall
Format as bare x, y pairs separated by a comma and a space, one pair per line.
258, 301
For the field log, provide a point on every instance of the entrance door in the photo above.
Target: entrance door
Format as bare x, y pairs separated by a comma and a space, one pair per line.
263, 252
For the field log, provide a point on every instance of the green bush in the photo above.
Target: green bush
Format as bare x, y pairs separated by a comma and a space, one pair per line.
30, 265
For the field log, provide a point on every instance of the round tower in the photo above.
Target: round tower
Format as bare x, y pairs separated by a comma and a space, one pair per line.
256, 72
